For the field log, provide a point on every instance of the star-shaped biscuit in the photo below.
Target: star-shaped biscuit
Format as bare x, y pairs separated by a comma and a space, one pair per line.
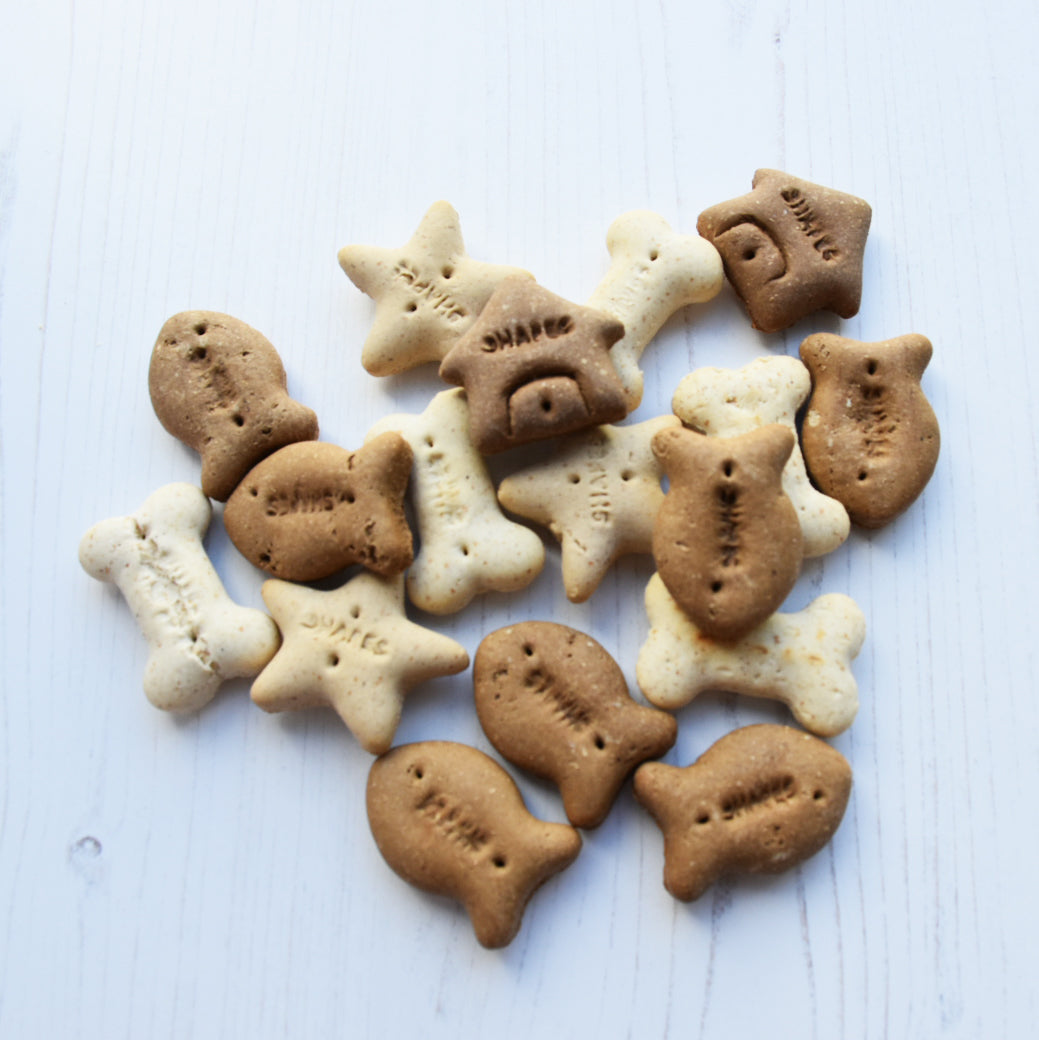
351, 649
534, 366
599, 495
427, 292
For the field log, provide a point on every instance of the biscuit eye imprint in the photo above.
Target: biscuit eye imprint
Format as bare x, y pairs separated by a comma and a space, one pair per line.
818, 796
411, 307
499, 861
464, 550
237, 419
254, 491
600, 742
750, 252
728, 467
654, 255
704, 817
716, 586
355, 612
528, 649
201, 328
872, 367
575, 478
448, 271
627, 475
863, 475
333, 660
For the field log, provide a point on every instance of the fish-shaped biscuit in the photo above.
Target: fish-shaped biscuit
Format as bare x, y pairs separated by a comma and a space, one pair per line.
553, 701
448, 819
758, 801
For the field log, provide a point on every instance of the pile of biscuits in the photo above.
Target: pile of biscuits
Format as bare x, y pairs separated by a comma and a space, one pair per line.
728, 539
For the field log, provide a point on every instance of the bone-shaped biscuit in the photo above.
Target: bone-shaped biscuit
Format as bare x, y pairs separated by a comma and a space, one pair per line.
198, 636
802, 659
723, 402
654, 272
466, 545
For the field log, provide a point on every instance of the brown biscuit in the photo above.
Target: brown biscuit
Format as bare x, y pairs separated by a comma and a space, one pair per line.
219, 386
870, 437
790, 248
534, 366
727, 541
759, 801
449, 820
553, 701
311, 509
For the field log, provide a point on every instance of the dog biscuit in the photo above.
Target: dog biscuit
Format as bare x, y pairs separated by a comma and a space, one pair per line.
598, 493
449, 820
724, 402
802, 659
427, 293
790, 248
554, 702
534, 366
759, 801
351, 649
653, 273
466, 546
727, 541
219, 386
870, 436
313, 508
199, 638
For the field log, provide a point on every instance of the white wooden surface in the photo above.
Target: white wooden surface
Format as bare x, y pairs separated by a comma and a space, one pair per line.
215, 876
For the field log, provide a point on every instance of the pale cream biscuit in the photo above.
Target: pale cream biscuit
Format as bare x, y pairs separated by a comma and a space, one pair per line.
466, 545
802, 659
351, 649
654, 272
723, 402
427, 292
599, 494
199, 638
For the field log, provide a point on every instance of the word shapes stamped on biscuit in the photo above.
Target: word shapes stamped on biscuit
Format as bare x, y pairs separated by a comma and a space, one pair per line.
199, 638
535, 366
427, 292
351, 649
802, 659
759, 801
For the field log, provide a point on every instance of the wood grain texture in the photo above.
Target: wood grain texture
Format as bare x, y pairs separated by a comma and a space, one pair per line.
215, 876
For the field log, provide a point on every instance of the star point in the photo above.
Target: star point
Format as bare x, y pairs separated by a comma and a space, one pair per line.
427, 293
351, 649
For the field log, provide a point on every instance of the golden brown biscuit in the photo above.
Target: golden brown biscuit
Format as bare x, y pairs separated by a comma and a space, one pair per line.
450, 820
790, 248
727, 541
759, 801
311, 509
870, 436
219, 386
553, 701
534, 366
